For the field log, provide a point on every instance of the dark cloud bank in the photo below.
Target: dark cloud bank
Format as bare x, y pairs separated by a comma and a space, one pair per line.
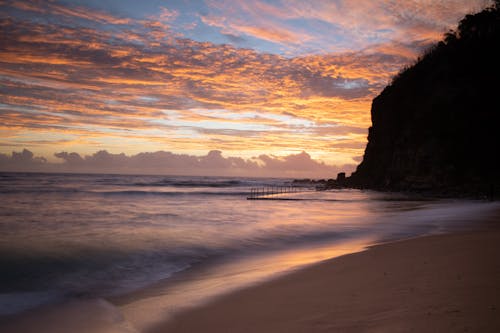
167, 163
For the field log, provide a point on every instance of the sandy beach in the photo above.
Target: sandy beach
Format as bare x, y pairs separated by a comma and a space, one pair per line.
448, 282
441, 283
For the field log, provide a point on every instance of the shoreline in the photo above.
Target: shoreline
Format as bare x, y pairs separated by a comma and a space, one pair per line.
445, 282
207, 282
370, 290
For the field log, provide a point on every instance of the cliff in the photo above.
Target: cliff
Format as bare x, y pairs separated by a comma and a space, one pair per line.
436, 127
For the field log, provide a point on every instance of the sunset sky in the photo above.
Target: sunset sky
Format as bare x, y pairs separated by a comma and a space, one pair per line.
287, 81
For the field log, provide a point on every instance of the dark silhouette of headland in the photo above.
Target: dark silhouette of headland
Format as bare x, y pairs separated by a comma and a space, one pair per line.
436, 127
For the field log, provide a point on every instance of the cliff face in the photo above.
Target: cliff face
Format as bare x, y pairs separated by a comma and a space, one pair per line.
436, 127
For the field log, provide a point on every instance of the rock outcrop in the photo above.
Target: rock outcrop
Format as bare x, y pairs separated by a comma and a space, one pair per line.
437, 126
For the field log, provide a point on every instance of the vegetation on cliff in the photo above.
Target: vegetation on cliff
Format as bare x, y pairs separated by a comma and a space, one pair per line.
436, 126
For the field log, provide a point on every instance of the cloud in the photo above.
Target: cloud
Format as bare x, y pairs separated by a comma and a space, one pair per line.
339, 25
78, 79
69, 12
120, 90
22, 161
297, 162
161, 162
168, 15
255, 19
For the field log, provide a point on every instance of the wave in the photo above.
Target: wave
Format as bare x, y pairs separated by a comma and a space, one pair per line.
171, 193
40, 190
41, 183
193, 183
106, 271
126, 192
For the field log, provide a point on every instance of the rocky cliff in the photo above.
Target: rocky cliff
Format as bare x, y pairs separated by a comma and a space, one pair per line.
436, 127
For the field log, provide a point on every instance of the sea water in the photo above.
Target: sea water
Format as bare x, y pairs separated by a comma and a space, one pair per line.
65, 236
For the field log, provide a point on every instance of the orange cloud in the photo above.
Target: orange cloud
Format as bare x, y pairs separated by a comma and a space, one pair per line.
273, 34
139, 86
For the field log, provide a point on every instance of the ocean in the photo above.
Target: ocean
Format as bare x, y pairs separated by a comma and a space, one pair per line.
74, 236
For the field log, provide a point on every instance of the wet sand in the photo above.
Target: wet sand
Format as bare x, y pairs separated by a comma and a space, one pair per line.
441, 283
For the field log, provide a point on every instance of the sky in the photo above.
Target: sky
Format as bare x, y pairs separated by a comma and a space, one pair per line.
237, 87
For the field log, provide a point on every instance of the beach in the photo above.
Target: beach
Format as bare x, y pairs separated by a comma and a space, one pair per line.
140, 254
440, 283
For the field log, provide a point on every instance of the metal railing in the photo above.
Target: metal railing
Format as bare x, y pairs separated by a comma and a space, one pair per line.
273, 192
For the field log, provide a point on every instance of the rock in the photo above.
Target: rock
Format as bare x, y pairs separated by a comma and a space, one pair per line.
434, 128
